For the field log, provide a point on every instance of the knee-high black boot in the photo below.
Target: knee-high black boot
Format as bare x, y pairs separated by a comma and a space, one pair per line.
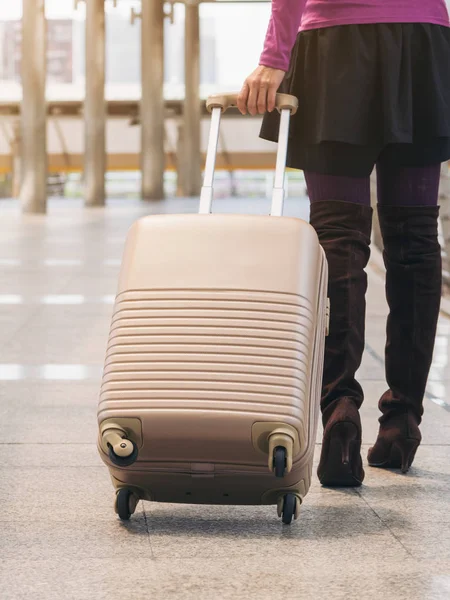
412, 256
344, 232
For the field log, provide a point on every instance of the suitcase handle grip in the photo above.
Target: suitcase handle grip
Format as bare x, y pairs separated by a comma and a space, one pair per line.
226, 101
217, 105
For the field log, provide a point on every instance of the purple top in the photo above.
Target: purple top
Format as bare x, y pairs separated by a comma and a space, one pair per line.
290, 16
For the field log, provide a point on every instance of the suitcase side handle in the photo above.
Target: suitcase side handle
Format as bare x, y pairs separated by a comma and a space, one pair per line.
226, 101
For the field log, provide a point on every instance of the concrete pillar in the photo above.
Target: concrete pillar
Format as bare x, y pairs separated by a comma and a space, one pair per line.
16, 160
152, 101
180, 164
94, 105
33, 193
191, 159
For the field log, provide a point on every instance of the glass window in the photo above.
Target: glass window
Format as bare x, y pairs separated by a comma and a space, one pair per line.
231, 35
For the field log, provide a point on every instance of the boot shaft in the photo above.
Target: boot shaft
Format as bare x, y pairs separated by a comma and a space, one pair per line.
344, 231
409, 233
412, 257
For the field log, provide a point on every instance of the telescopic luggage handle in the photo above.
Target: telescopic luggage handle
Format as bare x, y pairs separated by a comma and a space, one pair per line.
226, 101
219, 103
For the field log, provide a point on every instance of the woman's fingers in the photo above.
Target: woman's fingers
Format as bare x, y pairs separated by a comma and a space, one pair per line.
253, 97
262, 97
258, 94
243, 98
271, 97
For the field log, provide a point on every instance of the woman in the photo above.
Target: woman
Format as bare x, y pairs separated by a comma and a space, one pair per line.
373, 81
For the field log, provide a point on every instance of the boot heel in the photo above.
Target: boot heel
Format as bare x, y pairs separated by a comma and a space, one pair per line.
407, 450
340, 458
397, 442
345, 433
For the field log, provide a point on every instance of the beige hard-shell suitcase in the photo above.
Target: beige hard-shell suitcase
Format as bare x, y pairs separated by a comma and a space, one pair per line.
213, 372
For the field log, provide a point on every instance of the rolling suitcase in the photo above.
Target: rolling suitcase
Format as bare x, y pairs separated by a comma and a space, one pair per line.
212, 379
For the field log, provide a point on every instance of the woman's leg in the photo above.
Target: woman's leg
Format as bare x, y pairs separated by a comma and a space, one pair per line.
408, 212
342, 217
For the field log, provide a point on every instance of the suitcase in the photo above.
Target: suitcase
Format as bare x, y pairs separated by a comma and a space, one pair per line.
212, 379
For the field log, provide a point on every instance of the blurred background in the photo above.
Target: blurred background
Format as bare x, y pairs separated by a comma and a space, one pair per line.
189, 52
106, 99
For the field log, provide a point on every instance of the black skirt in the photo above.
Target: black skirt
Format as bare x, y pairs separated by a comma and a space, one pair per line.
368, 93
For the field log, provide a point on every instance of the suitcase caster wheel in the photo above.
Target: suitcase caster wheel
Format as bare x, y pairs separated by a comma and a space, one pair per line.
279, 461
289, 508
126, 503
123, 461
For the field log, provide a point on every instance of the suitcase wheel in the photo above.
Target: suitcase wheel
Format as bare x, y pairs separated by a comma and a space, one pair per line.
123, 461
279, 461
283, 445
289, 508
126, 503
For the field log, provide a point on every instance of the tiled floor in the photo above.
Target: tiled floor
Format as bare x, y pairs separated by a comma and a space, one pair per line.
59, 536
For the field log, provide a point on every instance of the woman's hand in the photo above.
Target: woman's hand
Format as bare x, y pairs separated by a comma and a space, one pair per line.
259, 90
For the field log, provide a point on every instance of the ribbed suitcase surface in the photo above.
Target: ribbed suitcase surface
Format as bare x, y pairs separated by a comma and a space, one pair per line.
228, 350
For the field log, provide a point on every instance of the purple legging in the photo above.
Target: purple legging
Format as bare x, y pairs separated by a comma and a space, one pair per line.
397, 186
